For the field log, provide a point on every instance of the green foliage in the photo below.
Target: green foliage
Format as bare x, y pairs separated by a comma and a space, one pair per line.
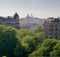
19, 50
28, 43
39, 37
45, 48
56, 50
39, 29
3, 56
23, 32
48, 45
31, 42
25, 43
8, 40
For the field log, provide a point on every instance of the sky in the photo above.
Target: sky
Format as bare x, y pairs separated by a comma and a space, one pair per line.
39, 8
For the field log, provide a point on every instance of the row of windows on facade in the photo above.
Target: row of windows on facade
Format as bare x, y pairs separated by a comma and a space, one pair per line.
52, 27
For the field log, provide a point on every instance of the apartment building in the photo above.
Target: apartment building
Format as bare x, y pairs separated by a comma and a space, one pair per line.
10, 21
52, 27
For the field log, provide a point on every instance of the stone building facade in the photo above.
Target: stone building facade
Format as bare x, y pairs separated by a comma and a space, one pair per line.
30, 22
52, 27
10, 21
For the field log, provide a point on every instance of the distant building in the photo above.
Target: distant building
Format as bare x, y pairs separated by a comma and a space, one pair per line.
11, 21
30, 22
52, 27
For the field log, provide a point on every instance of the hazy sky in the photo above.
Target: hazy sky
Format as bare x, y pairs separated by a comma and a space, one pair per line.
39, 8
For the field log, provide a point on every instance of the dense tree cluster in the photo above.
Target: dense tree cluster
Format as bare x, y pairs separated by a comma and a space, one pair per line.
25, 43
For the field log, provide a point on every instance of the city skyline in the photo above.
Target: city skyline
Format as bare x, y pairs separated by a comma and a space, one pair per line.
39, 8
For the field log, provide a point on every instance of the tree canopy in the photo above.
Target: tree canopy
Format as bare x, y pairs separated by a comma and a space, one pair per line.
25, 43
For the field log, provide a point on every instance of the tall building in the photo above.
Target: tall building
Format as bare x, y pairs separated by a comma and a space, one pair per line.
52, 27
10, 21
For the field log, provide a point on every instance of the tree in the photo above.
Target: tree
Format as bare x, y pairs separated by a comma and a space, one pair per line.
19, 50
23, 32
45, 49
56, 50
28, 43
39, 29
39, 38
8, 40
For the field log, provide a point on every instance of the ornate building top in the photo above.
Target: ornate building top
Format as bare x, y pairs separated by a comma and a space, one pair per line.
16, 15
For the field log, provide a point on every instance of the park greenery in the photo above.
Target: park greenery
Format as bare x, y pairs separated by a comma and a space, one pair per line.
24, 43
